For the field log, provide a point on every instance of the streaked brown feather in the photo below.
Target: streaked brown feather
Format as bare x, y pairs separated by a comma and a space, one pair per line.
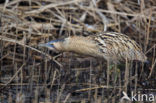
117, 46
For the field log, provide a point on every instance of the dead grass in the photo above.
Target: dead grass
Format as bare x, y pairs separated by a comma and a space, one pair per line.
32, 74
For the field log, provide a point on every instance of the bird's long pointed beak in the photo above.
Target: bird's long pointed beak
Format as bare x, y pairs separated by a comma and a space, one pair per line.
47, 45
50, 44
44, 45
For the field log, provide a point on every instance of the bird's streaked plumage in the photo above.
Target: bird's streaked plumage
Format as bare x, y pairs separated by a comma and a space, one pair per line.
110, 46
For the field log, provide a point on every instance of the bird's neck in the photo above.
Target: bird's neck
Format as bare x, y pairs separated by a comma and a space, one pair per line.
81, 45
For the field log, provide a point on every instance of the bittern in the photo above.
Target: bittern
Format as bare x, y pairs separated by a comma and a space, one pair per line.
112, 46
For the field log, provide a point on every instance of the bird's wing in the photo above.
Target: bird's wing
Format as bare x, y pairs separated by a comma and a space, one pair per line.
116, 45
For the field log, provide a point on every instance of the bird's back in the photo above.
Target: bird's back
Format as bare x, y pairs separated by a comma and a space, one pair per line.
118, 47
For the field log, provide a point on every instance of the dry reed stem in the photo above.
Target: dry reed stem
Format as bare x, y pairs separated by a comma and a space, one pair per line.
25, 24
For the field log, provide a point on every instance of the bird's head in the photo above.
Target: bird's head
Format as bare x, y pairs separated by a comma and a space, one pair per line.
55, 45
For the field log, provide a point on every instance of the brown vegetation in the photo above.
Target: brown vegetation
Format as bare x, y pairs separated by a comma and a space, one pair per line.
32, 74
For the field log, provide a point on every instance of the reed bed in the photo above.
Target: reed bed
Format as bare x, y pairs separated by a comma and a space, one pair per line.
37, 75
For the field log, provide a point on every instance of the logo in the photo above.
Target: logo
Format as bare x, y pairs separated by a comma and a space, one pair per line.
138, 97
125, 97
